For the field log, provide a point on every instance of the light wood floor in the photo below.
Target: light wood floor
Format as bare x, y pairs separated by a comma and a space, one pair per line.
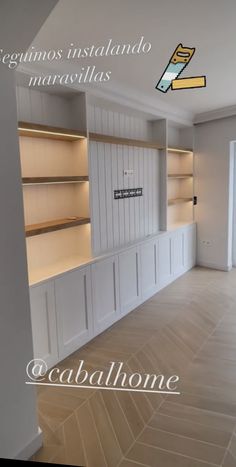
188, 329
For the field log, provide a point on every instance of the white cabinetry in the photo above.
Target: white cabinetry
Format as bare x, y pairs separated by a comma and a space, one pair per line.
43, 319
74, 310
148, 270
177, 252
69, 310
105, 293
190, 246
164, 263
129, 274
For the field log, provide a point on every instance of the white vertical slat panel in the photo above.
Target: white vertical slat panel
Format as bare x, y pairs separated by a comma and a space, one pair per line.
146, 190
136, 184
102, 196
120, 185
115, 202
110, 123
98, 119
141, 184
155, 201
126, 201
94, 187
150, 193
131, 200
109, 169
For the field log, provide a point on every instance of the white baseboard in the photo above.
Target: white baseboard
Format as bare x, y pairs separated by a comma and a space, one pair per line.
220, 267
32, 447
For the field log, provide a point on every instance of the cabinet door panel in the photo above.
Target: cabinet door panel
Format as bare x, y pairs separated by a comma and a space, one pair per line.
190, 247
129, 269
149, 276
43, 319
74, 312
164, 259
105, 291
177, 252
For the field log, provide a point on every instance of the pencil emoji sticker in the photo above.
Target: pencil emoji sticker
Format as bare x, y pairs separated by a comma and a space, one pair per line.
178, 61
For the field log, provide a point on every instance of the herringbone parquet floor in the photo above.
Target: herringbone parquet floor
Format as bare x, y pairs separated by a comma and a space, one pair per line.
188, 329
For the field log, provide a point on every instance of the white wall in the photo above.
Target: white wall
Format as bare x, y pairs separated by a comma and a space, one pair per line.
234, 206
214, 191
19, 23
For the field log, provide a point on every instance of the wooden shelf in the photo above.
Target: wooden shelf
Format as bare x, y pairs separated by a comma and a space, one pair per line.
123, 141
51, 226
180, 150
180, 176
35, 130
179, 200
42, 180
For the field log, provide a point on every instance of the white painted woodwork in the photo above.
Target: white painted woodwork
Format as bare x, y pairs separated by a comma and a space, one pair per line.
119, 222
129, 277
177, 252
43, 320
190, 244
149, 268
179, 163
50, 109
117, 123
90, 299
164, 257
105, 293
74, 310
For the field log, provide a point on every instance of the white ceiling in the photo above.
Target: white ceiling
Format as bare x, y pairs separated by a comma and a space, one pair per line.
208, 25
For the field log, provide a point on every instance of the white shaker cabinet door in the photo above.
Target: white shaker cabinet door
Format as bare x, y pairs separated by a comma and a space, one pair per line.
177, 252
105, 293
43, 319
149, 271
129, 278
164, 259
74, 310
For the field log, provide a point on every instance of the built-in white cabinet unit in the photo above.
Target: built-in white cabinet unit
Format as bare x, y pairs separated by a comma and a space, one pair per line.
70, 309
74, 310
105, 293
149, 268
43, 319
129, 274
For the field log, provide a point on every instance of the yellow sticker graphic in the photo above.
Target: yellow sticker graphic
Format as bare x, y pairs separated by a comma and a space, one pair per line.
178, 61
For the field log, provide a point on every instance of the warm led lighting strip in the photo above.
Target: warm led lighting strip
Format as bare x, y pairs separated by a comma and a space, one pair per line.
187, 151
45, 132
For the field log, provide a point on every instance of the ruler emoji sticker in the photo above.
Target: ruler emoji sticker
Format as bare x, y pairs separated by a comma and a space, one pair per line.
179, 60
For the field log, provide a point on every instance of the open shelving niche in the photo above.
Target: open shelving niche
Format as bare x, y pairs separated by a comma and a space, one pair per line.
180, 176
54, 166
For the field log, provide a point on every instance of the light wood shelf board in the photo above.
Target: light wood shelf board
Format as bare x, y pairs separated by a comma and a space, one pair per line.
179, 200
36, 130
180, 176
51, 226
123, 141
59, 179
